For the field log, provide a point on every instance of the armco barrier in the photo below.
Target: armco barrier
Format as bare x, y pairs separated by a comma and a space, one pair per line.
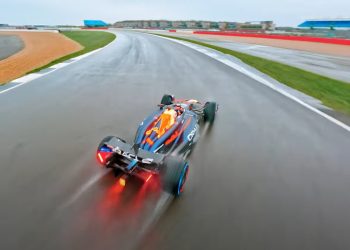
339, 41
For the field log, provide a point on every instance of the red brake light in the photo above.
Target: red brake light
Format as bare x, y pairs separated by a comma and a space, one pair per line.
102, 156
149, 177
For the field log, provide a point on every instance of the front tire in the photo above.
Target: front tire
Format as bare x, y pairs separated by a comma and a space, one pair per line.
167, 100
210, 111
174, 175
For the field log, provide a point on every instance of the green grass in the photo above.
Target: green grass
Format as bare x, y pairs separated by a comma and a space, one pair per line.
333, 93
90, 40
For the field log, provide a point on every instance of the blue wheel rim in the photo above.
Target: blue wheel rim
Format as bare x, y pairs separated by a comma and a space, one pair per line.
182, 179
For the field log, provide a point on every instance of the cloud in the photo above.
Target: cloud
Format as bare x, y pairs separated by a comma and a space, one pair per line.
283, 12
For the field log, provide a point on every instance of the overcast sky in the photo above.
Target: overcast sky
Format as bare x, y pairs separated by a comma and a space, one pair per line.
283, 12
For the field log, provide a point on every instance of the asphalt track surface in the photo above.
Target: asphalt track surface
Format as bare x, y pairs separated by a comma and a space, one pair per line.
270, 174
9, 45
330, 66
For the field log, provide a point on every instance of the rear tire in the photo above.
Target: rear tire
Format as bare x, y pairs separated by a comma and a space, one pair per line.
209, 111
167, 100
174, 175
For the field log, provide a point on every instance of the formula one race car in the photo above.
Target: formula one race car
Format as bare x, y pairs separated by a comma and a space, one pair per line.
162, 144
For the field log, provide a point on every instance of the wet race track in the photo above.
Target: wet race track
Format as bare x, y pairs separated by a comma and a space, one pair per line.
270, 174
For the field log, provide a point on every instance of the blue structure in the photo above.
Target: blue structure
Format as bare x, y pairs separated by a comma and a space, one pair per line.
330, 24
95, 24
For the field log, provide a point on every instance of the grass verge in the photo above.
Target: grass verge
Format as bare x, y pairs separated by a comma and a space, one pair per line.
333, 93
90, 40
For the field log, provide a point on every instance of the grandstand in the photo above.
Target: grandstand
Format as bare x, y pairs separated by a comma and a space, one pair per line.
195, 24
326, 24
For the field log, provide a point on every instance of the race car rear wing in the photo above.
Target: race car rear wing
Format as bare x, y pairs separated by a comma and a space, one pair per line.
133, 152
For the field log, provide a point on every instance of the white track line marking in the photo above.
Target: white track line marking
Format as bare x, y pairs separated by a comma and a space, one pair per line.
58, 65
27, 78
30, 77
21, 81
258, 79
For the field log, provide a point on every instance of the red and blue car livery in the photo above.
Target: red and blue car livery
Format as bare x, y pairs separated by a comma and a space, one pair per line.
162, 144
